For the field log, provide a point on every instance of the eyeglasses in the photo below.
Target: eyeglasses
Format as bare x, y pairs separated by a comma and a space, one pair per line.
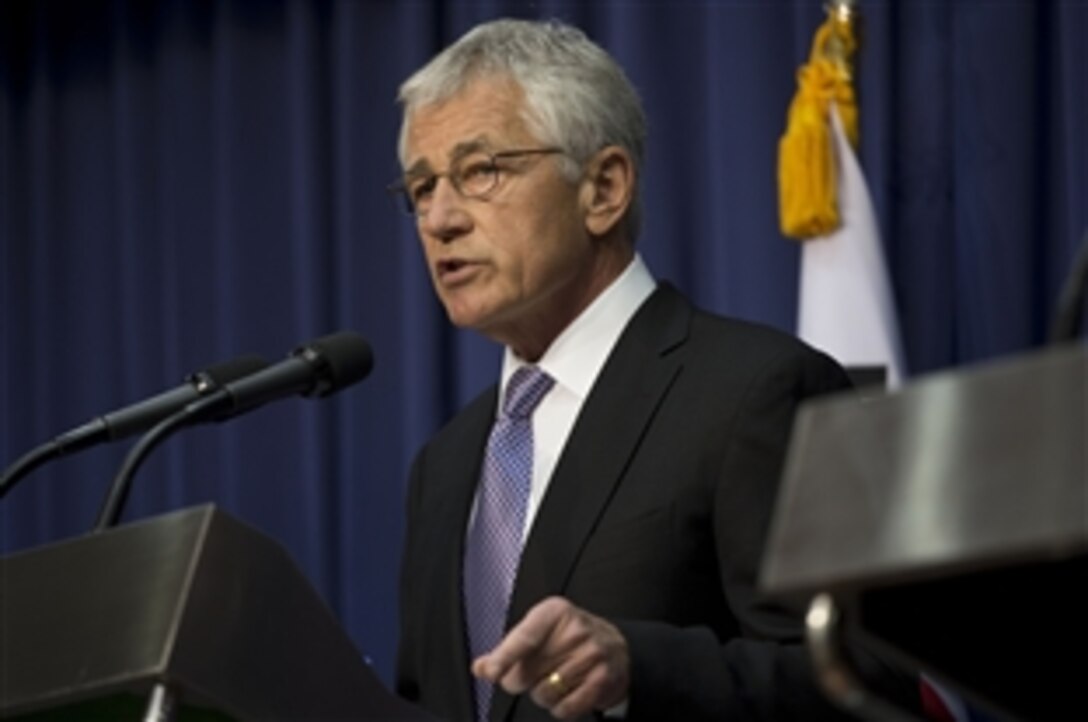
474, 175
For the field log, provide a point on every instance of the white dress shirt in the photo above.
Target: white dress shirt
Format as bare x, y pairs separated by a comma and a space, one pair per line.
574, 360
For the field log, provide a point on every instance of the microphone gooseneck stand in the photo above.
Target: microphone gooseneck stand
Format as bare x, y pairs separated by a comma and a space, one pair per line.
25, 464
115, 500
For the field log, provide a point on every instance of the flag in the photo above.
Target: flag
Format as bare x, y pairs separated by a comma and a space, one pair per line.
941, 705
846, 307
845, 304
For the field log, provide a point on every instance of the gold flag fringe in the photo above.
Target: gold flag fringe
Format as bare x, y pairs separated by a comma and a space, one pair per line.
807, 174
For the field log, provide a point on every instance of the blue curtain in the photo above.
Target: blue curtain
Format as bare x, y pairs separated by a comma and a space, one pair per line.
182, 182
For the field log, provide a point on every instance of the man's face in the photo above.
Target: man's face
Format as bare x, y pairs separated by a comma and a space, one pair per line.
516, 265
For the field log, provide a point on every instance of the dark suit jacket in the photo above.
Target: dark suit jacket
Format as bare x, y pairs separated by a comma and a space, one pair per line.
655, 519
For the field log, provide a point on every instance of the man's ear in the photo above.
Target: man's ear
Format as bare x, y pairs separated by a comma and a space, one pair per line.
608, 189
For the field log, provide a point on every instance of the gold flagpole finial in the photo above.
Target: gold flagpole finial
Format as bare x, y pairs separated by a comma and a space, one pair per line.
836, 40
842, 10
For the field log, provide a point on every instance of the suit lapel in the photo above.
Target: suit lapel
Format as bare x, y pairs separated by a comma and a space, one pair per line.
612, 422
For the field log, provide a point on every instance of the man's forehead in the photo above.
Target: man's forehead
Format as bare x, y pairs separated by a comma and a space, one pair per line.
479, 143
485, 115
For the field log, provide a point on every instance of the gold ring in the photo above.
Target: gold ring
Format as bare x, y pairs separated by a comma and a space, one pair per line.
555, 681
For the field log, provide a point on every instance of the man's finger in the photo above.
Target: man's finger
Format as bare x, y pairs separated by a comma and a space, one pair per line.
584, 698
565, 677
526, 638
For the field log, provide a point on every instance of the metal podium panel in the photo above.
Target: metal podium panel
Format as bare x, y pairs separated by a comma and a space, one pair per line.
946, 525
193, 601
94, 613
961, 471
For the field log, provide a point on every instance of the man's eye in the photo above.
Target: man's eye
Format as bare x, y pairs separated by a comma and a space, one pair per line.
421, 187
477, 176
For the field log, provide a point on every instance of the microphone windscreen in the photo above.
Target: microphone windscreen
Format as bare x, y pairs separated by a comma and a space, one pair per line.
345, 358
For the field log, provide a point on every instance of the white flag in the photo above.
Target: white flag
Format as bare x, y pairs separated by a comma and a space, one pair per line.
846, 304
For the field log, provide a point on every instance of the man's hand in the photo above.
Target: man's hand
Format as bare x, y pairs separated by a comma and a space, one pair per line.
572, 661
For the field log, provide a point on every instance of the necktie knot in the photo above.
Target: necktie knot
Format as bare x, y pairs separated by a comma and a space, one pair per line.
524, 391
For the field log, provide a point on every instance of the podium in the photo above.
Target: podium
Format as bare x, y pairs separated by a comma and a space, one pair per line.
195, 611
947, 524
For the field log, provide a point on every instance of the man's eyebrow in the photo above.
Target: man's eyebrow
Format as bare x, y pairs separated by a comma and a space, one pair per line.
422, 167
469, 146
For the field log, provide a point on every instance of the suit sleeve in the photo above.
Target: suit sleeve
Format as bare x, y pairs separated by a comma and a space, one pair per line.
764, 674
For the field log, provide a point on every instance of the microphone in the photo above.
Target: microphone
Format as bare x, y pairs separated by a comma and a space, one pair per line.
319, 368
134, 418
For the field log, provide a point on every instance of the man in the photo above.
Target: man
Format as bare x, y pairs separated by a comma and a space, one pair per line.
651, 444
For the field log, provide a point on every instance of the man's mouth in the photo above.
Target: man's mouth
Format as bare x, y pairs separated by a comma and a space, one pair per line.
454, 270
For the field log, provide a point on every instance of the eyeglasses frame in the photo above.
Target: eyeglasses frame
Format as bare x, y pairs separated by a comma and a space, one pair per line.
399, 188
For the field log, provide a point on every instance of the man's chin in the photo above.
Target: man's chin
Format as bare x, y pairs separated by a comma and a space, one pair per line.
466, 318
493, 316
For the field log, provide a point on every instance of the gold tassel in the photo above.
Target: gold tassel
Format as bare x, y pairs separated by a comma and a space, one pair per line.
807, 175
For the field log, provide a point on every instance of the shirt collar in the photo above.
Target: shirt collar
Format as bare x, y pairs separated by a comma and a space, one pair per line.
577, 355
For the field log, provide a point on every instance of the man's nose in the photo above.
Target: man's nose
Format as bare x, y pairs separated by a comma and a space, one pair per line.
446, 216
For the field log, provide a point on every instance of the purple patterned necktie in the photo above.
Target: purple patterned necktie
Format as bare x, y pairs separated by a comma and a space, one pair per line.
493, 545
